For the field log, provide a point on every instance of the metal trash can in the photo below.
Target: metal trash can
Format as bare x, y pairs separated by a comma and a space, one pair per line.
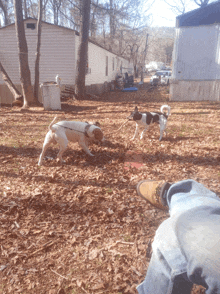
51, 96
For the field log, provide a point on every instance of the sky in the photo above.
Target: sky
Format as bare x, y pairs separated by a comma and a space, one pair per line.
162, 14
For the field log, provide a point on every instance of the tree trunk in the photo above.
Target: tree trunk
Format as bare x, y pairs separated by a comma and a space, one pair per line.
25, 74
4, 8
37, 61
144, 59
25, 9
80, 88
112, 21
93, 25
17, 95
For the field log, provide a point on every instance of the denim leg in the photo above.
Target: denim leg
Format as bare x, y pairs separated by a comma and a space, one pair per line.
158, 282
177, 260
166, 263
198, 232
187, 194
157, 279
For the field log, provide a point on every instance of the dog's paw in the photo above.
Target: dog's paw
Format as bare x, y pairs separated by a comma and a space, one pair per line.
60, 160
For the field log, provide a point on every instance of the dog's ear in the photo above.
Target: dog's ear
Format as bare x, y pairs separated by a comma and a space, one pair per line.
98, 135
97, 124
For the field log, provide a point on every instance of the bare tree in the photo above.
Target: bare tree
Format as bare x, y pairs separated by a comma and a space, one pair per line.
37, 61
201, 3
25, 9
181, 6
30, 8
17, 95
55, 7
160, 45
93, 25
134, 45
44, 9
25, 74
4, 8
112, 20
177, 6
80, 88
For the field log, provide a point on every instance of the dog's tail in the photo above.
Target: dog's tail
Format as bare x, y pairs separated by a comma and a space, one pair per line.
165, 107
51, 124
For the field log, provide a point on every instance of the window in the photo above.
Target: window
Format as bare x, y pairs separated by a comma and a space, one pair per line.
106, 66
30, 26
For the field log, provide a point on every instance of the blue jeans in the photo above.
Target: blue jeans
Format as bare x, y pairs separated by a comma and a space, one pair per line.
186, 247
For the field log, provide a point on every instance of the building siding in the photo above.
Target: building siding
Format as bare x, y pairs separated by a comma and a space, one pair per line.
196, 53
196, 64
9, 53
97, 64
59, 53
195, 91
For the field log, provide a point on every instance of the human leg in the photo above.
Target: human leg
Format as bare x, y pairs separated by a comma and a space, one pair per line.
166, 272
176, 197
186, 194
198, 233
173, 241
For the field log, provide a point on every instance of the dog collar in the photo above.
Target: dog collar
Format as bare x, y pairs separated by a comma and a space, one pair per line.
86, 130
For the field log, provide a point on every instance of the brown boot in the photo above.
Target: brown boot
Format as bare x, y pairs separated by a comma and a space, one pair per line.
154, 192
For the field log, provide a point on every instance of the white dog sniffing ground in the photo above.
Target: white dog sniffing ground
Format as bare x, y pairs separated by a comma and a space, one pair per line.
74, 131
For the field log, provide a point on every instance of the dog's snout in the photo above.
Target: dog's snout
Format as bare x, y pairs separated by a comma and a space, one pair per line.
130, 116
98, 135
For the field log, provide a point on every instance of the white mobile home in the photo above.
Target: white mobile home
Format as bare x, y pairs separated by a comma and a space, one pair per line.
196, 55
59, 47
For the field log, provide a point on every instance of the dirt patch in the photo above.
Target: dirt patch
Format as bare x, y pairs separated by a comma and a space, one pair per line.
80, 227
133, 159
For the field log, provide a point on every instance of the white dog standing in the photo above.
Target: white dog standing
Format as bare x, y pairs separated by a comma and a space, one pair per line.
147, 118
75, 131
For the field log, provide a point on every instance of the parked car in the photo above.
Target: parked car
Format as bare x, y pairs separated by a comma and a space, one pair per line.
161, 77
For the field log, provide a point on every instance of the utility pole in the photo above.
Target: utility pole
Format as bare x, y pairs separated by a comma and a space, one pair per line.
144, 58
145, 50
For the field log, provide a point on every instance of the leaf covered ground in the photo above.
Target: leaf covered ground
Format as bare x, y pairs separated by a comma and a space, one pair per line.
80, 227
